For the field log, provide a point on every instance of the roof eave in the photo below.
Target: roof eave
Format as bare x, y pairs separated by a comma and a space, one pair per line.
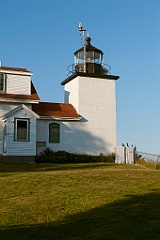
93, 75
16, 72
18, 100
56, 118
22, 106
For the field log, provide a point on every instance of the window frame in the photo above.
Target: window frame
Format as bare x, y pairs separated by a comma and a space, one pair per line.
16, 139
51, 138
3, 77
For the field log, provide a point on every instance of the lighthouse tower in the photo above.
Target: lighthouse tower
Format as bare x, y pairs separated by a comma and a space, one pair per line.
90, 88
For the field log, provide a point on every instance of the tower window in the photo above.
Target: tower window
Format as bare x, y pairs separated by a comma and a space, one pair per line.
54, 133
2, 82
21, 130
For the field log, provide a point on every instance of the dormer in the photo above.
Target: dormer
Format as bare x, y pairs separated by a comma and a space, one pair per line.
15, 80
16, 84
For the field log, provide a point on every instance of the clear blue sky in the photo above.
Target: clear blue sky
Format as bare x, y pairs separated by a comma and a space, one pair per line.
42, 36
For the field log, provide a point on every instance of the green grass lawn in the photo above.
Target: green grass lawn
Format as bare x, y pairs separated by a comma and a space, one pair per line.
79, 201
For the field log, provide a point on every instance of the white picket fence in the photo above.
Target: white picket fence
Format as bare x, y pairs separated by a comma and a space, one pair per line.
125, 155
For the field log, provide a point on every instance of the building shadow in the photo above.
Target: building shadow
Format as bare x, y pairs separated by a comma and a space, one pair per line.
78, 138
15, 168
134, 217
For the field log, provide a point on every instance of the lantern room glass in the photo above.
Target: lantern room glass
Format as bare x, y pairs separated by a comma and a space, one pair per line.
91, 57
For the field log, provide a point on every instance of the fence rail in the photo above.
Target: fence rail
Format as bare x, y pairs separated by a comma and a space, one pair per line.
150, 157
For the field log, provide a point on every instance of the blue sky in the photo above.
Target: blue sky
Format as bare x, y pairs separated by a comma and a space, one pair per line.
42, 36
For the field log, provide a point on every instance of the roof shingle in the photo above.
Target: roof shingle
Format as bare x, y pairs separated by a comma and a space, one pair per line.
14, 69
55, 110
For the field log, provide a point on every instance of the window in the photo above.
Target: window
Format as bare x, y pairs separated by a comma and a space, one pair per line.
2, 82
21, 132
54, 133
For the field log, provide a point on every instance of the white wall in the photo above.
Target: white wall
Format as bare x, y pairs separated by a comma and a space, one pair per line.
71, 93
96, 103
15, 148
95, 133
18, 84
43, 135
74, 137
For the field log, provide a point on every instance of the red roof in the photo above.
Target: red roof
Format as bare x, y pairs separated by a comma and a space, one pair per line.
33, 96
14, 69
55, 110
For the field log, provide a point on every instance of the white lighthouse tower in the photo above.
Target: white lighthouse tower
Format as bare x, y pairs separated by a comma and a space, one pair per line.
90, 88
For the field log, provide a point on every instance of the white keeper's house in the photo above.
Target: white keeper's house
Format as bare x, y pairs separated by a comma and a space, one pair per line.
84, 123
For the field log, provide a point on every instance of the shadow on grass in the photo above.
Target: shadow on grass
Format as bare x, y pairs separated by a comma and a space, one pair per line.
134, 217
9, 168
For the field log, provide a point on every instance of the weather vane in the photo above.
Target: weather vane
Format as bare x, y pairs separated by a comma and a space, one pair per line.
81, 29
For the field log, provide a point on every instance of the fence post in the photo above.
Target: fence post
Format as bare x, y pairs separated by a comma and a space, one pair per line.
157, 162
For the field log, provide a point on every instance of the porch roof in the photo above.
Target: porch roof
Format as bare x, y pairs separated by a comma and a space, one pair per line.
59, 110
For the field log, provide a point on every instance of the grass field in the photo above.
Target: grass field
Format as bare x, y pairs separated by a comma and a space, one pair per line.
79, 201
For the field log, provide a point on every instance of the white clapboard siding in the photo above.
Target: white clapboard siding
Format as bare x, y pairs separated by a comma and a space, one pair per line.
7, 107
18, 84
95, 100
15, 148
1, 136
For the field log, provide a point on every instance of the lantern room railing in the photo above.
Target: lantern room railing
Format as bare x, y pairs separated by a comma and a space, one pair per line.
93, 68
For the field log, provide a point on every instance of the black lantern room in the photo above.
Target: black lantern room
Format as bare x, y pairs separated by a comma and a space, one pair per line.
89, 59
